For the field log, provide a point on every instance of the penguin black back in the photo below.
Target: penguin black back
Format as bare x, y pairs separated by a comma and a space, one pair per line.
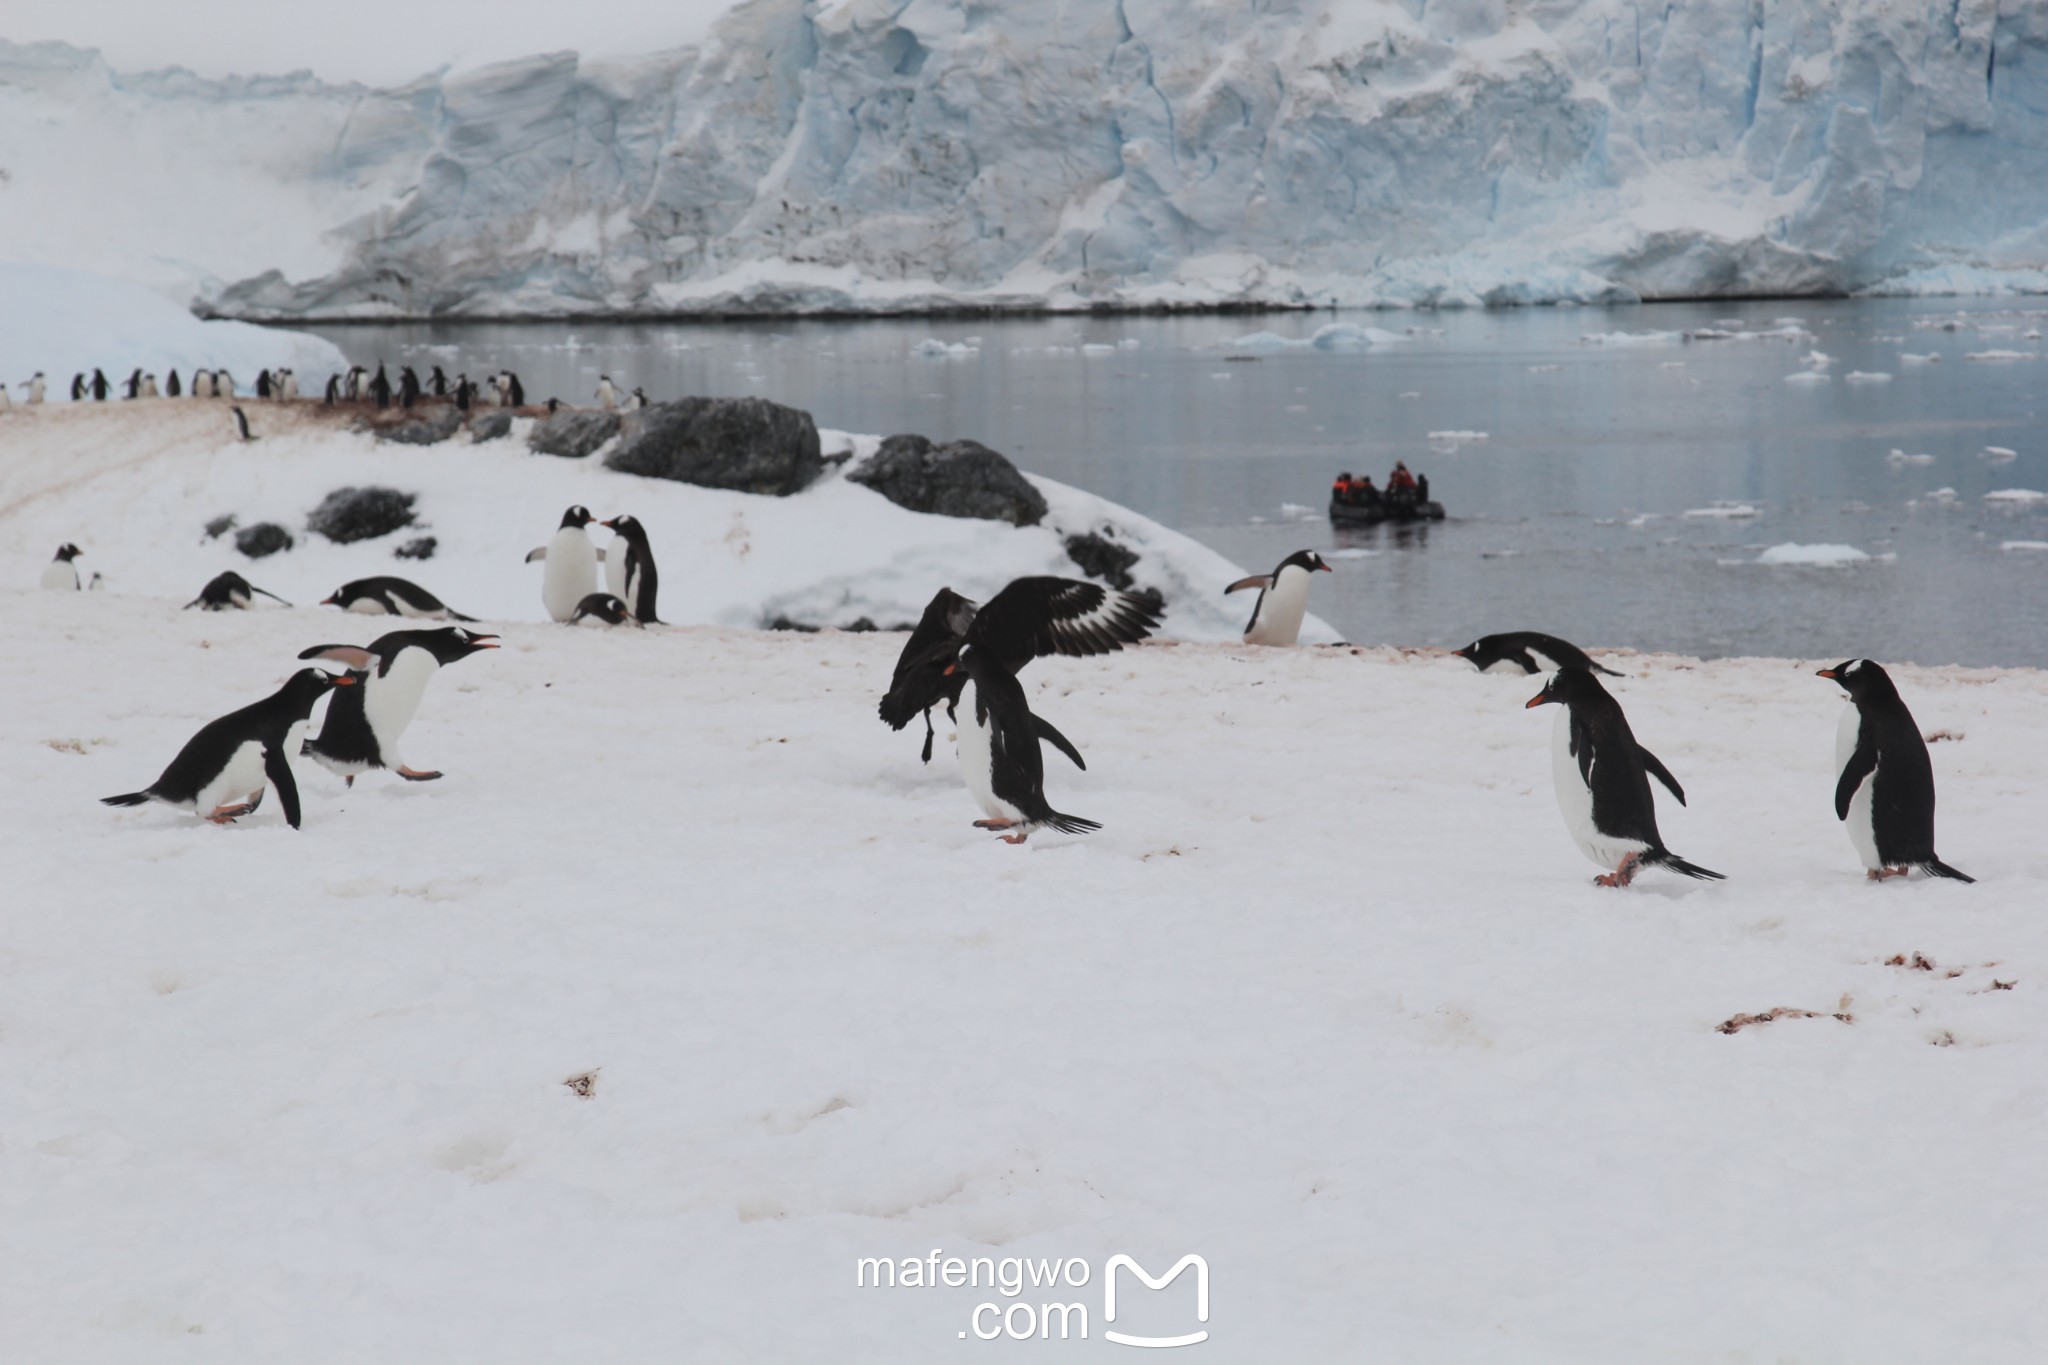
1885, 754
1016, 765
1530, 650
641, 580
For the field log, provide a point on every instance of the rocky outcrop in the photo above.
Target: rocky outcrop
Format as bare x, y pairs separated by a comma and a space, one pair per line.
490, 426
1099, 556
749, 445
957, 479
572, 434
351, 514
420, 547
428, 430
263, 539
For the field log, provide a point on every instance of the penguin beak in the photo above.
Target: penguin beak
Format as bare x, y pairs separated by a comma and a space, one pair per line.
327, 601
1536, 701
1828, 673
1325, 568
484, 642
341, 680
950, 670
613, 523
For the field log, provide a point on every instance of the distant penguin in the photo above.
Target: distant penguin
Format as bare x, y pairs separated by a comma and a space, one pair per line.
629, 569
1602, 777
202, 383
223, 384
494, 392
1884, 780
638, 400
36, 387
389, 596
100, 387
408, 387
465, 393
515, 392
78, 388
362, 730
1283, 599
554, 405
607, 396
229, 591
603, 606
571, 573
263, 383
241, 422
131, 387
149, 386
352, 383
288, 385
221, 771
380, 387
438, 383
6, 399
1525, 652
61, 572
172, 389
333, 390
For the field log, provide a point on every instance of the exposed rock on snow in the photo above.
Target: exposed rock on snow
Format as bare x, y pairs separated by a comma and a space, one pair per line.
893, 155
1101, 557
422, 547
426, 430
749, 445
352, 514
571, 433
490, 426
263, 539
957, 479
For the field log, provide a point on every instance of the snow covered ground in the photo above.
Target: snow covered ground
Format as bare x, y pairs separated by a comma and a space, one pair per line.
1329, 1001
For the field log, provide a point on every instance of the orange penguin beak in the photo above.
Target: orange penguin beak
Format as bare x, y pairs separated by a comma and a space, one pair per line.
327, 601
1828, 673
949, 670
1534, 702
344, 680
609, 523
1325, 568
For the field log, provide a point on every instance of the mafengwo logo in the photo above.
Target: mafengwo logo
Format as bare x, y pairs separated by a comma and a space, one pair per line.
1052, 1311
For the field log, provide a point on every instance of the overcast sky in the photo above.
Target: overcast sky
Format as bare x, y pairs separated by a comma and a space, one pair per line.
378, 41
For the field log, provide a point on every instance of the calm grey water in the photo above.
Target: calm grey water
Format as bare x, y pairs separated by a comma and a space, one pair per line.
1569, 516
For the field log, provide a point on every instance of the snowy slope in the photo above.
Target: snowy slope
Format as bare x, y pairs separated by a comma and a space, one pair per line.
134, 484
909, 154
1329, 1001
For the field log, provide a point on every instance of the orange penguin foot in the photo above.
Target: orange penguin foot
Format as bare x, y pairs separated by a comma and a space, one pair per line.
1882, 873
412, 775
1621, 876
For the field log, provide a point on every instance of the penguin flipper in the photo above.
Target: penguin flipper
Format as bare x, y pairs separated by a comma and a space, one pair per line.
1602, 668
541, 553
279, 770
1861, 764
197, 600
126, 799
267, 593
1057, 740
354, 656
455, 615
1655, 767
1935, 867
1261, 581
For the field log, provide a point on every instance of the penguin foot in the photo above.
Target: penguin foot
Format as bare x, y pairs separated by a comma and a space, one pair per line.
994, 824
1015, 838
349, 781
226, 815
1882, 873
1621, 876
411, 775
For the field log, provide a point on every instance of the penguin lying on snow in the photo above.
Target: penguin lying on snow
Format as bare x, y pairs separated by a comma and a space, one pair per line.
571, 573
1527, 651
220, 772
1884, 781
387, 596
1283, 599
363, 727
61, 572
999, 754
602, 606
1603, 782
227, 590
924, 674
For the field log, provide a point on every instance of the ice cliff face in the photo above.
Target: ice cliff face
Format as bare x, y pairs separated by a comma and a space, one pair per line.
906, 154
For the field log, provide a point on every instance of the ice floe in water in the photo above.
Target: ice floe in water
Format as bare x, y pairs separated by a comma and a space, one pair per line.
1822, 556
2000, 454
2016, 497
1806, 378
1899, 459
1867, 377
1732, 510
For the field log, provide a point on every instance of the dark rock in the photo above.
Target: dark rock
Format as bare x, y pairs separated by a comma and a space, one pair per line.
1101, 557
749, 445
784, 623
861, 626
491, 426
958, 479
351, 514
425, 431
420, 548
220, 526
264, 538
572, 434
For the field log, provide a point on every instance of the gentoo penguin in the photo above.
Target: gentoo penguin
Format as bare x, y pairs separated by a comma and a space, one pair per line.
263, 383
221, 771
1603, 781
131, 387
227, 590
149, 386
388, 596
629, 569
1527, 651
61, 572
78, 387
999, 735
6, 399
602, 606
1884, 782
607, 396
172, 389
241, 422
554, 405
1283, 599
223, 384
333, 390
514, 391
571, 573
363, 727
202, 383
99, 386
924, 674
465, 392
638, 400
438, 382
35, 387
380, 387
408, 387
352, 383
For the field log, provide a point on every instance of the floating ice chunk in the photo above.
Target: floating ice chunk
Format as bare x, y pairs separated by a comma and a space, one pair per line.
1261, 341
1349, 336
1722, 508
1097, 348
934, 349
1543, 369
1998, 355
2017, 497
1817, 359
1455, 437
1930, 358
1631, 338
1806, 378
1822, 556
2034, 545
1898, 459
1296, 509
2000, 454
1867, 377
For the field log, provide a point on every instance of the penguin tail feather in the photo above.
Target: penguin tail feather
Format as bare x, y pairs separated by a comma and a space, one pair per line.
1610, 672
455, 615
1935, 867
1070, 824
1674, 863
126, 799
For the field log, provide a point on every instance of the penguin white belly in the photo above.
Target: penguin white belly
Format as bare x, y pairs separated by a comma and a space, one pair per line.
571, 572
1505, 666
406, 608
1277, 620
1575, 801
242, 775
61, 573
392, 700
1861, 822
615, 570
977, 762
369, 606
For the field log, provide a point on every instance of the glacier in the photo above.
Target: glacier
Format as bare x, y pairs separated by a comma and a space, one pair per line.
867, 156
